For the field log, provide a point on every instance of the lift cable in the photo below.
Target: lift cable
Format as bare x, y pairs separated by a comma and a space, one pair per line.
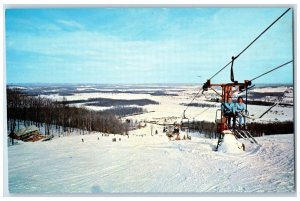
191, 102
201, 112
250, 80
271, 70
233, 58
255, 79
262, 33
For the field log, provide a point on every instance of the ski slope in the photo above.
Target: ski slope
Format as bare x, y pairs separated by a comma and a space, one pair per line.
150, 164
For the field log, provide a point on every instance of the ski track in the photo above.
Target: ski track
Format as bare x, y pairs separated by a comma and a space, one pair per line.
150, 164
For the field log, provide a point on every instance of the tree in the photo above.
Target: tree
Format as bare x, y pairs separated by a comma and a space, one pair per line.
37, 110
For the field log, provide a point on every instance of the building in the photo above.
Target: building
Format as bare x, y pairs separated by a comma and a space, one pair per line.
30, 133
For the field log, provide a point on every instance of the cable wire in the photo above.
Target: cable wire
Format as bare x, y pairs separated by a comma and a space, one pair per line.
262, 33
220, 70
192, 100
271, 70
201, 112
251, 43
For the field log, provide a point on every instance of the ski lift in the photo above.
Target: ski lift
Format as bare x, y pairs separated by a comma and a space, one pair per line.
185, 123
228, 89
222, 119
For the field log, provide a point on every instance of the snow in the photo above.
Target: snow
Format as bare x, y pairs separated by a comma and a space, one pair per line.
53, 97
230, 144
145, 163
128, 96
148, 163
83, 88
170, 106
277, 113
17, 87
270, 89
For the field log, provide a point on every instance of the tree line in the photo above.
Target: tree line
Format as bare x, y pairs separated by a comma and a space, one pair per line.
122, 111
256, 129
38, 111
108, 102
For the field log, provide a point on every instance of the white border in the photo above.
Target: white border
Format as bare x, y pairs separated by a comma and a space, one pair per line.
136, 3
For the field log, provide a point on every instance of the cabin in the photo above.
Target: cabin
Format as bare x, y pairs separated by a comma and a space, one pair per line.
27, 134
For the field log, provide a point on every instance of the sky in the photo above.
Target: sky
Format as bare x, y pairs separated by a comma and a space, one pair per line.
145, 45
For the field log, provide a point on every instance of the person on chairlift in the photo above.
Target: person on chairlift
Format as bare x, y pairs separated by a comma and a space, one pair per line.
240, 109
229, 111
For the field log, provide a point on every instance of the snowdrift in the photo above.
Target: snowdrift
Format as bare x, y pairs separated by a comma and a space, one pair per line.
230, 144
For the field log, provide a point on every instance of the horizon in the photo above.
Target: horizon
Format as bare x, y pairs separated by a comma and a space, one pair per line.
96, 84
145, 45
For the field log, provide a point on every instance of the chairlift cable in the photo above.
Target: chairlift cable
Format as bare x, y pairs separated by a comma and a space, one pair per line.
233, 58
202, 112
260, 76
189, 104
262, 33
193, 99
220, 70
271, 70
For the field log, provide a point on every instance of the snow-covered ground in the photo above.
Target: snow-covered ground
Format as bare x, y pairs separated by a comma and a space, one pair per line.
145, 163
170, 107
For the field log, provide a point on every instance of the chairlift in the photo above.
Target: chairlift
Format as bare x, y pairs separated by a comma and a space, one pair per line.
185, 123
228, 89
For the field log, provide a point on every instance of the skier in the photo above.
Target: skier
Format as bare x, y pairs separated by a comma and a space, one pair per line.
176, 130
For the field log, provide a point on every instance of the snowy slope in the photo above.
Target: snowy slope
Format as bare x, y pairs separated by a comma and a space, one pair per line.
145, 163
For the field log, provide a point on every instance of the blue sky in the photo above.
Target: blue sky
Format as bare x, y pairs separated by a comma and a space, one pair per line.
145, 45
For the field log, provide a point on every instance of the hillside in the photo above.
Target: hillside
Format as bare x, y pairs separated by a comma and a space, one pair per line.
145, 163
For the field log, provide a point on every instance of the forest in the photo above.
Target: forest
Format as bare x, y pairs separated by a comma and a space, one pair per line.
38, 111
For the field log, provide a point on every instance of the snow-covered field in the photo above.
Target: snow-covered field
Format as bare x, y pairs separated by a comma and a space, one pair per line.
145, 163
170, 107
152, 164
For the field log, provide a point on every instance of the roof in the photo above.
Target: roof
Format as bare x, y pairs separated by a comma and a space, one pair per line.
26, 130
